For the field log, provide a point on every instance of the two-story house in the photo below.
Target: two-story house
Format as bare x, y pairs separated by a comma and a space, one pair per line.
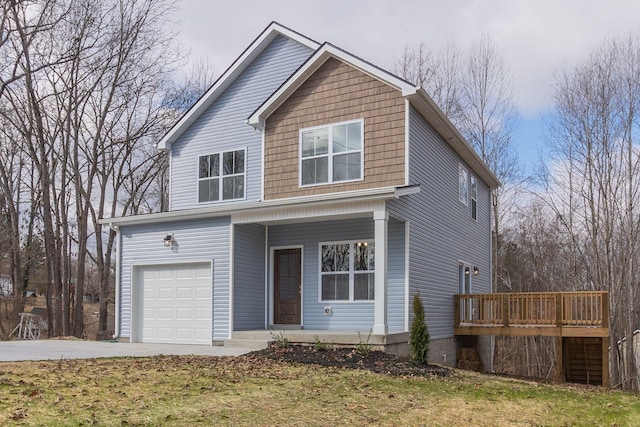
309, 190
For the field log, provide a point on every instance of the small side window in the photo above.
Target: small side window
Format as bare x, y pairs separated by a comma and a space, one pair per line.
474, 198
463, 184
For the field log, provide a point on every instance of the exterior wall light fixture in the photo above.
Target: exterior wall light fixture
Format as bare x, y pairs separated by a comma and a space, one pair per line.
168, 240
476, 270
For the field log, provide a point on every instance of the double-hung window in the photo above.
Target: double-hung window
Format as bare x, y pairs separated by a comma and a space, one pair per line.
347, 271
221, 176
474, 197
463, 184
331, 153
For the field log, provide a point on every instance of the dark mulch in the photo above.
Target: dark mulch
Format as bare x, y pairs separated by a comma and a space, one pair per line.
376, 361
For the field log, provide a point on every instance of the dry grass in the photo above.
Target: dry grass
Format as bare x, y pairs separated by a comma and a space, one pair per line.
182, 390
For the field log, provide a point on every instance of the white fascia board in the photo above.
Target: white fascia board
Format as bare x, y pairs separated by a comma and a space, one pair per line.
326, 51
224, 81
436, 118
227, 210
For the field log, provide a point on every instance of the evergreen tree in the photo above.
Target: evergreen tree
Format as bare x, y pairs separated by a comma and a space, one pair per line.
419, 333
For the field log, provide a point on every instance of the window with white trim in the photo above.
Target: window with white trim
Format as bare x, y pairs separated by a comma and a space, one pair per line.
463, 184
474, 197
221, 176
347, 271
331, 153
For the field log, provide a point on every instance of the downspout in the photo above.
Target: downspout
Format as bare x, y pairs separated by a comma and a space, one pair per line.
116, 228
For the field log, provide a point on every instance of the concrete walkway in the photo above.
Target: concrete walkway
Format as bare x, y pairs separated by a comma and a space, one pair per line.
13, 351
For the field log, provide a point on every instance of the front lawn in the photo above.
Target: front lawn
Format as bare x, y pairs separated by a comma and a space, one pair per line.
253, 391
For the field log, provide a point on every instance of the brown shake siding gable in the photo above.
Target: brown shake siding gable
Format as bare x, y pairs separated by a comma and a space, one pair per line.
336, 92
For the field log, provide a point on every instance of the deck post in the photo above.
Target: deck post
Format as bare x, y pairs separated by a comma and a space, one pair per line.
605, 362
456, 312
605, 309
605, 340
559, 341
505, 310
559, 310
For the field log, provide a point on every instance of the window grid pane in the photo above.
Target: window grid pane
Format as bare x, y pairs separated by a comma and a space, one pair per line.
315, 170
209, 190
463, 184
347, 271
364, 286
340, 144
231, 186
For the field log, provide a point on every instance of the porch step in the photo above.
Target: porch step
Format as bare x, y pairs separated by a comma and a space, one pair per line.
247, 343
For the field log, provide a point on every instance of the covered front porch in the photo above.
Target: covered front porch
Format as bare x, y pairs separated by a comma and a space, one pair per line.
327, 271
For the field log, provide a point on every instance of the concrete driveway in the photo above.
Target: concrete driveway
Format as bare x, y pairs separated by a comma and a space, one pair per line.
13, 351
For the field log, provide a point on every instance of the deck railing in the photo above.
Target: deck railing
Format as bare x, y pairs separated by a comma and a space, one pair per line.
586, 309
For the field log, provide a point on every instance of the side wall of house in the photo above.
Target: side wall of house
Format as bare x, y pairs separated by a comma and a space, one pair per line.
344, 315
442, 232
195, 241
248, 277
223, 127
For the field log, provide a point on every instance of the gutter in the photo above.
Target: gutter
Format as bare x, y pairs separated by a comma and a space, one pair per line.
115, 228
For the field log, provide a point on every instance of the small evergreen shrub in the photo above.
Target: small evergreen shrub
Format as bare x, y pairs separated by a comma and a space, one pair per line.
280, 340
419, 340
363, 349
321, 345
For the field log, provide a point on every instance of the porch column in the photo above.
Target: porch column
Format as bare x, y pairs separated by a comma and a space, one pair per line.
381, 220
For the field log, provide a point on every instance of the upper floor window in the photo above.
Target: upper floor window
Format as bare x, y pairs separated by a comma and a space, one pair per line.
474, 197
331, 153
463, 184
221, 176
347, 271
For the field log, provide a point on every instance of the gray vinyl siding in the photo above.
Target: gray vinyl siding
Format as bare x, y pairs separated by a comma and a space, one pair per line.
196, 241
396, 276
345, 315
441, 230
248, 277
222, 127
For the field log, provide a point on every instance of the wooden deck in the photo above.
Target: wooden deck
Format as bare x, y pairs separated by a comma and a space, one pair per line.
578, 320
560, 314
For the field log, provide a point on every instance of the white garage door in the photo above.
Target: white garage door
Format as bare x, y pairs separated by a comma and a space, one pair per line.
176, 303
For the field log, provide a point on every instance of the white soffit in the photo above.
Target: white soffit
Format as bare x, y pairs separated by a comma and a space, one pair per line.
314, 201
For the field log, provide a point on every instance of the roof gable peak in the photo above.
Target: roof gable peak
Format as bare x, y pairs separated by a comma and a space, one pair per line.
273, 30
319, 57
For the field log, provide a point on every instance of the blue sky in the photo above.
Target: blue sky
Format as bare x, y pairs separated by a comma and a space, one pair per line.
536, 37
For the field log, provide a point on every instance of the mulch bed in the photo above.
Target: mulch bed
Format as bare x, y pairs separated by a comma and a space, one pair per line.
376, 361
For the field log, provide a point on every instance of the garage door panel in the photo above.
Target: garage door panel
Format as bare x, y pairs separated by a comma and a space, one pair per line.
184, 314
184, 334
165, 274
184, 293
165, 314
202, 334
177, 304
165, 294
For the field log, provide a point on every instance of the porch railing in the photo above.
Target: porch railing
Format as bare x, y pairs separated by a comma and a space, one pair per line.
581, 309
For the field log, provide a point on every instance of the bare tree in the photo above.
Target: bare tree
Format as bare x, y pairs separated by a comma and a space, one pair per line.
438, 73
593, 181
86, 88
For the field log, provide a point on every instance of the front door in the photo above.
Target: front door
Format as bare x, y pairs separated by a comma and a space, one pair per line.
287, 285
